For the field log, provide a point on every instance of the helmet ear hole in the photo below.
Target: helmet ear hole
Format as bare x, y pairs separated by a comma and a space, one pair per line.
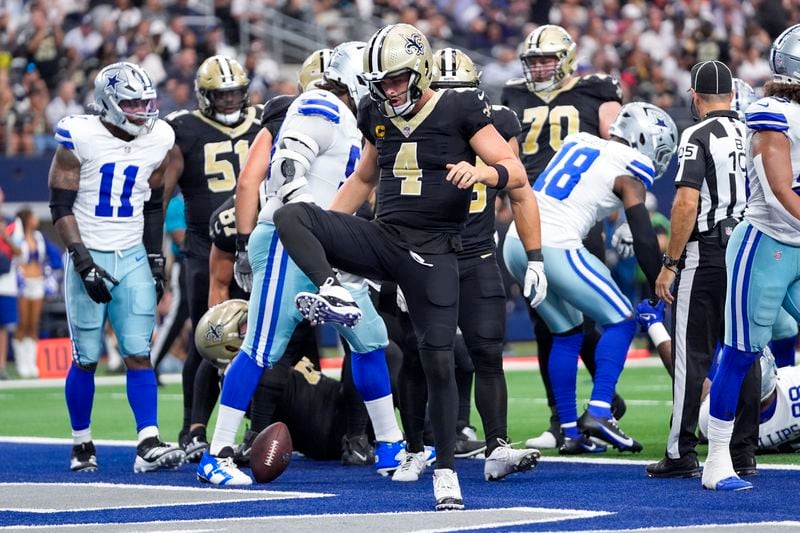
641, 139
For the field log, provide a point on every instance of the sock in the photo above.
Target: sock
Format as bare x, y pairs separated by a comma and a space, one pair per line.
570, 430
783, 350
79, 391
371, 374
612, 350
600, 409
724, 397
228, 421
563, 374
384, 421
240, 382
143, 397
147, 432
81, 436
719, 437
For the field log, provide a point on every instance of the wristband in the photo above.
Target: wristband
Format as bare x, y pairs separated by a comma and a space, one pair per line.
534, 255
502, 176
658, 333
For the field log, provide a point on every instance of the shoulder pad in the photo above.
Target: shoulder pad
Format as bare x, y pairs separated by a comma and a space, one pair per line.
316, 103
768, 114
175, 114
276, 108
63, 133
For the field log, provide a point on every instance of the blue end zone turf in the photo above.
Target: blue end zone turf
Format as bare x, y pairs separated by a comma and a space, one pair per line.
623, 490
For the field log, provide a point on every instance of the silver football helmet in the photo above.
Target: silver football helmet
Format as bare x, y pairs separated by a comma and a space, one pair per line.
346, 67
650, 130
784, 57
743, 96
125, 97
220, 332
769, 373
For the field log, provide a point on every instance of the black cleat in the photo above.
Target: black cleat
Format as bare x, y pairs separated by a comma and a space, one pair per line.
467, 447
685, 467
195, 445
357, 451
153, 454
580, 446
241, 456
618, 407
608, 431
84, 458
745, 466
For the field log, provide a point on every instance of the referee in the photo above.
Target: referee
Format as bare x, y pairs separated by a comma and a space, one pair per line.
709, 202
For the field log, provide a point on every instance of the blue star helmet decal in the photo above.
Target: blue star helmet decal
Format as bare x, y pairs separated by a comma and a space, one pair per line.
660, 122
112, 82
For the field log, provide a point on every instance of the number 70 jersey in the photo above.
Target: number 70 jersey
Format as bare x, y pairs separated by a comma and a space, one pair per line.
576, 189
114, 179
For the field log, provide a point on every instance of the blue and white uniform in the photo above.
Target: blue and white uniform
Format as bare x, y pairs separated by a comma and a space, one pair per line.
114, 185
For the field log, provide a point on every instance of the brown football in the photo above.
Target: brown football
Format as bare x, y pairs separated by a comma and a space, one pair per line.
271, 452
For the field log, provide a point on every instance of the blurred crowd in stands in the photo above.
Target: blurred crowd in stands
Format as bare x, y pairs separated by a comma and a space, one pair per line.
51, 49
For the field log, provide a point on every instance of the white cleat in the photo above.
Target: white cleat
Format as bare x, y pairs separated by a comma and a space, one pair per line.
505, 460
411, 468
545, 441
221, 470
446, 490
333, 303
153, 454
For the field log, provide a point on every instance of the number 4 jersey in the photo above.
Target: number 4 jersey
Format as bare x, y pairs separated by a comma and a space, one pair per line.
576, 188
114, 179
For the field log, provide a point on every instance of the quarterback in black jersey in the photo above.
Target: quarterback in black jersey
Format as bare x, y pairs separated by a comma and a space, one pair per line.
481, 299
553, 103
420, 149
211, 146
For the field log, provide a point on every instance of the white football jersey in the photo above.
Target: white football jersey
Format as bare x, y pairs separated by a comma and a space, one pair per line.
114, 179
576, 188
764, 211
322, 116
784, 424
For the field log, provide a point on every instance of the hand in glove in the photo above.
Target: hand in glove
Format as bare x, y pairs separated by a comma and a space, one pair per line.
648, 312
94, 276
242, 271
535, 285
622, 241
158, 268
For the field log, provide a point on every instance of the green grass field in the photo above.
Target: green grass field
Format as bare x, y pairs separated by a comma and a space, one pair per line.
41, 412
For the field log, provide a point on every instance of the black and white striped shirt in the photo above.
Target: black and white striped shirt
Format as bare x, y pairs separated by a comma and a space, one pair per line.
712, 159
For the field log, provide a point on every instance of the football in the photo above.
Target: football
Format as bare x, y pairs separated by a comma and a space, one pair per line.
271, 452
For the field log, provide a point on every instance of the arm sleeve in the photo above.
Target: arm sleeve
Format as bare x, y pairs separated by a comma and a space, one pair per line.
645, 243
153, 236
692, 154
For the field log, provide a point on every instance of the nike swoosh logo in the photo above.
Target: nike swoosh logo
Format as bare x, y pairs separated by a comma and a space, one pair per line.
484, 256
360, 455
139, 258
763, 105
418, 258
625, 442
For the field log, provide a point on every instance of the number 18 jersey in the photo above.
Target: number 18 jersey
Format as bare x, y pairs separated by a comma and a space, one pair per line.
575, 190
114, 179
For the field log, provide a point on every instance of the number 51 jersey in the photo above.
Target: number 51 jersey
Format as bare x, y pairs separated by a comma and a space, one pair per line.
577, 187
114, 179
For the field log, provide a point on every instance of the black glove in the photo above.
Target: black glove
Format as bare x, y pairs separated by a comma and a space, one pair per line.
242, 271
157, 263
94, 276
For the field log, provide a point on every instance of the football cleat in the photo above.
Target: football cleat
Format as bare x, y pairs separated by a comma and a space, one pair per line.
195, 445
388, 456
357, 451
618, 407
581, 445
333, 303
446, 490
466, 447
221, 470
412, 467
241, 456
684, 467
730, 484
546, 441
607, 430
505, 460
153, 454
84, 458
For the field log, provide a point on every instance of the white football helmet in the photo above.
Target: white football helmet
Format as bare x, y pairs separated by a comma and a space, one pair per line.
743, 96
119, 85
784, 57
650, 130
220, 332
346, 67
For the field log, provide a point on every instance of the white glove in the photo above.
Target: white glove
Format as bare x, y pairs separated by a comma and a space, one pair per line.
622, 241
401, 301
535, 285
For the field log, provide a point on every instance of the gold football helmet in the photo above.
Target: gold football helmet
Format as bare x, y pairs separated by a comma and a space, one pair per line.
547, 41
310, 74
220, 332
453, 68
221, 88
394, 50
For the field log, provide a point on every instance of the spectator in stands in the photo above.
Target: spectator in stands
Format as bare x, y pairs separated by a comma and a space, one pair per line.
83, 41
64, 104
144, 56
40, 41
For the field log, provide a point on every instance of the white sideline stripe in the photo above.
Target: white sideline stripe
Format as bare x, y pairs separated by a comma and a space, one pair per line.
787, 523
567, 514
246, 496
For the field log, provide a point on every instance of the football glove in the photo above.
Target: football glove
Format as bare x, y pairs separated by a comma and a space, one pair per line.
242, 271
622, 241
94, 276
535, 285
158, 268
648, 312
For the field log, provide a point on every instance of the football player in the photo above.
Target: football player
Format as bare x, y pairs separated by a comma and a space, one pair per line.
588, 179
553, 103
106, 195
420, 149
210, 149
482, 300
318, 136
763, 252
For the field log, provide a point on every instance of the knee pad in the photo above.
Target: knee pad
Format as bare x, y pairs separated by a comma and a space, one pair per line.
488, 358
438, 365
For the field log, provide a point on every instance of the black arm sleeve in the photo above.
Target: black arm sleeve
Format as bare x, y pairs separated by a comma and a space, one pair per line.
153, 236
61, 202
645, 243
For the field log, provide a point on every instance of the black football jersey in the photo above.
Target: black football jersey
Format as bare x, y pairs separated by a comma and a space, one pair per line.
478, 236
549, 117
415, 202
222, 226
213, 156
274, 113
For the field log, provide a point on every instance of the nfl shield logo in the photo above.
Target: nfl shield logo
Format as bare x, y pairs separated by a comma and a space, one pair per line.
778, 255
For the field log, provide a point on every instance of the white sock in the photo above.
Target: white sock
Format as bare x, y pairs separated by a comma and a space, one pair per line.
718, 465
79, 437
228, 421
384, 422
147, 432
719, 433
19, 357
598, 403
